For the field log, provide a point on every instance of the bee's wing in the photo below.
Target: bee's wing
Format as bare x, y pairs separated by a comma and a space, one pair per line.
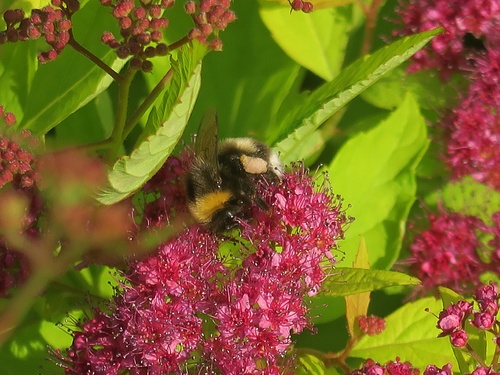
206, 139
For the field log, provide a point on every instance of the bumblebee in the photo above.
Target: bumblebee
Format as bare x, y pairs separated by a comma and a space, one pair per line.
221, 181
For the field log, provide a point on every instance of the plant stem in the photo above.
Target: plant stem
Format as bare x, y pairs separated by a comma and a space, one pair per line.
121, 112
179, 43
46, 267
329, 359
148, 102
371, 14
475, 355
85, 52
21, 303
153, 95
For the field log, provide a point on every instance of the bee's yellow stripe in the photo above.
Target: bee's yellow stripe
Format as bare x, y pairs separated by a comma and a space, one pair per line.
204, 207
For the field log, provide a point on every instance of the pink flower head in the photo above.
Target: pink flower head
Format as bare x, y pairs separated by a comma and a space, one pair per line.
483, 321
168, 186
434, 370
487, 298
396, 367
450, 51
459, 338
193, 304
481, 370
474, 136
453, 317
153, 322
446, 253
209, 16
371, 325
400, 368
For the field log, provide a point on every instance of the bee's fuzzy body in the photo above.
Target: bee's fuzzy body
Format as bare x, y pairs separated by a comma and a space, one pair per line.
221, 180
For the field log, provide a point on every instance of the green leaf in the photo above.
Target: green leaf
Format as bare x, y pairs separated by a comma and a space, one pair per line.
317, 40
26, 352
428, 89
348, 281
375, 173
61, 305
63, 86
248, 81
97, 117
17, 69
330, 97
410, 334
468, 197
309, 364
166, 124
356, 303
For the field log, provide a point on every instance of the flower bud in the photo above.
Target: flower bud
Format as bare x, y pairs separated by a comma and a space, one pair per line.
459, 338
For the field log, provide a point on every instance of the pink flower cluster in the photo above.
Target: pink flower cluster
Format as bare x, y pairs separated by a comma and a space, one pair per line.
470, 43
165, 192
370, 367
482, 370
473, 145
452, 320
371, 325
209, 16
434, 370
478, 20
217, 303
451, 253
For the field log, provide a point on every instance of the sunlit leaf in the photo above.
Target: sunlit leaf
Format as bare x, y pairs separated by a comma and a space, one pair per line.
347, 281
72, 80
166, 124
330, 97
315, 40
375, 173
410, 334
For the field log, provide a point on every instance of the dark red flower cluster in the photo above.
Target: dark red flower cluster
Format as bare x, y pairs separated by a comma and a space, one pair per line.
14, 266
17, 168
305, 6
371, 325
53, 22
454, 251
473, 145
370, 367
452, 320
16, 161
165, 192
217, 303
209, 17
476, 20
141, 30
14, 270
482, 370
434, 370
452, 323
